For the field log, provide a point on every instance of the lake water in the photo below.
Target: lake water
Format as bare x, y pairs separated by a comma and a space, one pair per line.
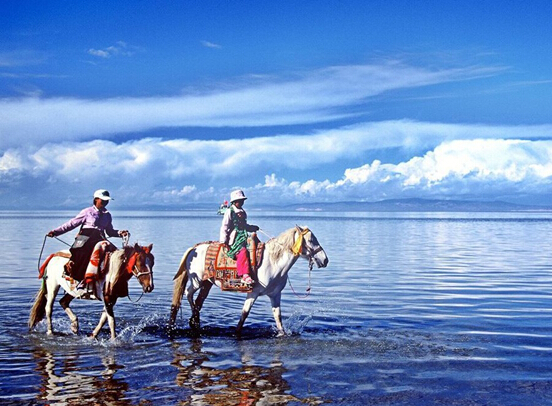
413, 309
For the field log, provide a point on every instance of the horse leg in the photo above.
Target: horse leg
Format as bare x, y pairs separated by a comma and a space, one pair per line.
65, 302
109, 316
276, 312
52, 292
203, 293
245, 311
194, 320
103, 319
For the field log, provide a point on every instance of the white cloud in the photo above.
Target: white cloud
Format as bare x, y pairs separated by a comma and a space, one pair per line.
303, 98
22, 57
209, 44
477, 167
120, 48
173, 171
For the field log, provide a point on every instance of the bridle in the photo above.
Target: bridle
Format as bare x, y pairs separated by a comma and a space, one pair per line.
300, 246
133, 268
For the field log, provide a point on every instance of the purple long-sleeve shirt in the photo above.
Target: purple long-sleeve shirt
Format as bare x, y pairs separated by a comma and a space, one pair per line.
91, 217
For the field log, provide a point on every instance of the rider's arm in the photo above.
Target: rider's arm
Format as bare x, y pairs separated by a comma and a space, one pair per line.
109, 230
70, 225
226, 227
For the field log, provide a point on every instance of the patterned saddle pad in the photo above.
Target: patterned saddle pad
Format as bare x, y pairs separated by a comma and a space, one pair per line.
222, 268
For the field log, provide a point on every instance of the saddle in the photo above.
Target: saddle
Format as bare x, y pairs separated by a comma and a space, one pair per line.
220, 267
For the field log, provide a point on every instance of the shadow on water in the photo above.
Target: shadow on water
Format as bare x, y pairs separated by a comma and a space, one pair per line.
252, 333
246, 384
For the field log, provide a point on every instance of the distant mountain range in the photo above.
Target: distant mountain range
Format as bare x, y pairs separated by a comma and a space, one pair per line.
417, 205
391, 205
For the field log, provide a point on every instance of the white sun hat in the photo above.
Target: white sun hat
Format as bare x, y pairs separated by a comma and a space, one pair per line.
237, 195
102, 194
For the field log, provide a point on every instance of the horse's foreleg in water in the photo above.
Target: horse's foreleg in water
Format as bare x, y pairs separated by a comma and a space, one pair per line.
103, 319
109, 316
65, 302
245, 311
49, 307
275, 302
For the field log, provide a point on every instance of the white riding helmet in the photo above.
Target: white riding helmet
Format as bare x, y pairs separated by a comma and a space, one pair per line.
237, 195
102, 194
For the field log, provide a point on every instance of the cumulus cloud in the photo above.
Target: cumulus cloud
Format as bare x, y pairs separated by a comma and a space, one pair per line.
459, 168
461, 160
303, 98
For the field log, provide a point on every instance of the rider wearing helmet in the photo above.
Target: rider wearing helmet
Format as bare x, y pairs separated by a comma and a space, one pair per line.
233, 233
95, 222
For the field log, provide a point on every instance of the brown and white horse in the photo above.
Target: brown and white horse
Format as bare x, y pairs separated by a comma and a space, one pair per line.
121, 265
278, 257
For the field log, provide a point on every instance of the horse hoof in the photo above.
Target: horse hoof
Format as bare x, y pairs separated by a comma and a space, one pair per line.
75, 327
281, 334
194, 323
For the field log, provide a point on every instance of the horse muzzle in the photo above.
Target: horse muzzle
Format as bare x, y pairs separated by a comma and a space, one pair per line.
322, 263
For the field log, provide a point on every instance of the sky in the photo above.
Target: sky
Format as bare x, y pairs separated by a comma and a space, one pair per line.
174, 104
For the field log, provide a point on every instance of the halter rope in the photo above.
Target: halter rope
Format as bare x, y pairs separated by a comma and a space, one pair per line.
296, 249
42, 249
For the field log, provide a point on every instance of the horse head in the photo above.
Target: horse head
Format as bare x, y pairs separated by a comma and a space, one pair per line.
140, 264
307, 245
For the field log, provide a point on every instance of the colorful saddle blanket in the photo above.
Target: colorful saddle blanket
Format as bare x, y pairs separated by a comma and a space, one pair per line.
222, 268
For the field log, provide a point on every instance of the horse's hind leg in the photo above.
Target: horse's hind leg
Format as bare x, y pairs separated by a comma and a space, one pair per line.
52, 292
65, 302
194, 319
203, 293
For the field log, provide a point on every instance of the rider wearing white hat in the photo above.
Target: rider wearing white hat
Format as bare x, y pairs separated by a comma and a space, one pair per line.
233, 233
95, 222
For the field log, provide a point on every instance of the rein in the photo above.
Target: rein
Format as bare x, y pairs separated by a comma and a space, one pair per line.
133, 269
296, 249
42, 249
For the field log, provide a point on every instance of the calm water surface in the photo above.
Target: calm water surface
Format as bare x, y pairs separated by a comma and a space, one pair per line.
413, 309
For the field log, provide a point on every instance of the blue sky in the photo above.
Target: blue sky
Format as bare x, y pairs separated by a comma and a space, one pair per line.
175, 103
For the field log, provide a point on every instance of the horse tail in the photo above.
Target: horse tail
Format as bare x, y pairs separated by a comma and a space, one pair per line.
38, 311
180, 282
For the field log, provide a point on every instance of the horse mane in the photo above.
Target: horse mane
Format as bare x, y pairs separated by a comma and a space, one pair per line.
277, 246
116, 268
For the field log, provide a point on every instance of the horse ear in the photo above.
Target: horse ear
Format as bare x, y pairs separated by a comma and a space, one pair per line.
137, 247
298, 228
148, 248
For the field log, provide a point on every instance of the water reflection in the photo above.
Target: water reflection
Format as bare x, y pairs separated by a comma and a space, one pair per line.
63, 381
243, 385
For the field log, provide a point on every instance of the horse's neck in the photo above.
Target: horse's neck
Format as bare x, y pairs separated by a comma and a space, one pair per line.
281, 263
116, 266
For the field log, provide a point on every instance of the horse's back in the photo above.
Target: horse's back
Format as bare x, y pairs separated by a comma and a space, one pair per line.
57, 261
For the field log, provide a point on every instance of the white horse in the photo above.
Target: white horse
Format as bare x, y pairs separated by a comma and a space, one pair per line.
121, 266
278, 257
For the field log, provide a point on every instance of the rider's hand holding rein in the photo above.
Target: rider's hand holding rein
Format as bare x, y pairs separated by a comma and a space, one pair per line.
123, 233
